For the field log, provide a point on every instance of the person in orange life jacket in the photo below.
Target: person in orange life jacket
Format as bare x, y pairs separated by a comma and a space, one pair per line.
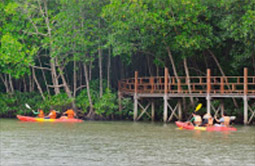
207, 120
70, 113
52, 115
41, 113
196, 119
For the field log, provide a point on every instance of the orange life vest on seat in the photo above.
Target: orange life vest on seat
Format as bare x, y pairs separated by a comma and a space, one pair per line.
53, 114
70, 113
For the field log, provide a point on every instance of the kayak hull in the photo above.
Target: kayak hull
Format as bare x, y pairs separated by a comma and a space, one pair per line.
34, 119
211, 128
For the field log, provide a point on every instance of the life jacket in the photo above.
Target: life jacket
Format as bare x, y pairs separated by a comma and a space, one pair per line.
210, 121
198, 119
70, 113
53, 114
226, 120
41, 114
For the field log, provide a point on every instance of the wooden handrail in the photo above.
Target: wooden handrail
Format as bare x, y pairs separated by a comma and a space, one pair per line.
202, 85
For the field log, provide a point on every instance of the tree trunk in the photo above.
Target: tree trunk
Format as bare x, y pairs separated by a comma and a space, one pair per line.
188, 79
30, 83
253, 60
37, 83
108, 68
52, 60
149, 66
5, 82
100, 72
54, 76
11, 84
223, 74
66, 87
24, 84
74, 78
172, 62
44, 77
80, 74
90, 70
91, 112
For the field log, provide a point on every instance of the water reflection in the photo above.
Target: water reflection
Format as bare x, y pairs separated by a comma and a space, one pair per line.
121, 143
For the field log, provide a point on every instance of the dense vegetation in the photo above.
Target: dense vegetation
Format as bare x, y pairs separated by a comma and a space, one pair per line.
71, 53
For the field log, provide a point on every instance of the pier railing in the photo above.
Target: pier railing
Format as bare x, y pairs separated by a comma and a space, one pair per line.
194, 84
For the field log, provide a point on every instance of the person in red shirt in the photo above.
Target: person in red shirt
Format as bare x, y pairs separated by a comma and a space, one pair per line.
70, 113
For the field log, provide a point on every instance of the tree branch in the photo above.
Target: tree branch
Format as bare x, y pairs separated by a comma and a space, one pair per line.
56, 86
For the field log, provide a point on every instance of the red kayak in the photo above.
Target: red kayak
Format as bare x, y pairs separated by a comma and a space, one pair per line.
35, 119
211, 128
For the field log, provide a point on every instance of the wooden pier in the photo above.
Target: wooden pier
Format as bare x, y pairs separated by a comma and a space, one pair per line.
169, 87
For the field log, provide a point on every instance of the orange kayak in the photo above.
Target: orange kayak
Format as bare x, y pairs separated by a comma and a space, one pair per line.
35, 119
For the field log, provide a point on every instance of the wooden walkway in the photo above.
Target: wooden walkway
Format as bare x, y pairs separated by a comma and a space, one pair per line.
195, 86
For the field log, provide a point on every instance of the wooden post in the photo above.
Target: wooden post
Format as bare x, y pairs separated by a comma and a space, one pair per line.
179, 86
245, 80
136, 97
119, 101
245, 114
180, 109
135, 107
152, 84
208, 78
165, 95
208, 99
136, 81
152, 110
166, 80
222, 107
221, 85
245, 99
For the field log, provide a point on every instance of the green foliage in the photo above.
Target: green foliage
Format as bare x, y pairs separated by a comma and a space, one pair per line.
59, 102
127, 108
63, 32
14, 57
14, 104
107, 104
82, 101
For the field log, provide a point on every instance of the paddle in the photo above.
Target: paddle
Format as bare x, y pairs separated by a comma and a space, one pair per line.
199, 106
31, 109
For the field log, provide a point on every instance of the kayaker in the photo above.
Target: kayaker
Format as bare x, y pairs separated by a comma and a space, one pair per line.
70, 113
207, 120
41, 113
196, 119
232, 118
224, 120
52, 115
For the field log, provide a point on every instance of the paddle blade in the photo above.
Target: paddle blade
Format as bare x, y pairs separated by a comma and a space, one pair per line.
27, 106
198, 107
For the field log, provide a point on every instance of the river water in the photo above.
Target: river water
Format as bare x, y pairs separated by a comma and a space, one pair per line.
99, 143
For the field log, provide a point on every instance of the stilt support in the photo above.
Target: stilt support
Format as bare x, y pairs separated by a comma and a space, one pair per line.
165, 108
180, 109
135, 107
173, 110
152, 110
208, 105
245, 113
